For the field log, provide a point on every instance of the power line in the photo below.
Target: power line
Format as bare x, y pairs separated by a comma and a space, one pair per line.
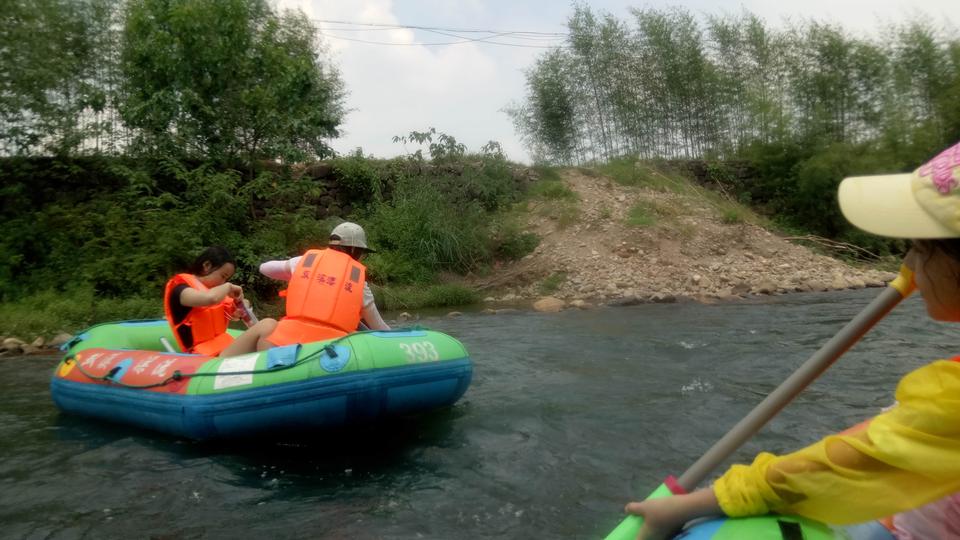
511, 35
480, 40
445, 29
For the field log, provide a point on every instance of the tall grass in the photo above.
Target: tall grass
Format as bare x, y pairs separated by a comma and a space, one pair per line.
50, 312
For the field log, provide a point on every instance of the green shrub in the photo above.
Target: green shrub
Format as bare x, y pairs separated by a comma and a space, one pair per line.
546, 173
641, 215
120, 228
517, 246
552, 189
731, 216
552, 282
421, 225
629, 171
509, 240
416, 297
358, 177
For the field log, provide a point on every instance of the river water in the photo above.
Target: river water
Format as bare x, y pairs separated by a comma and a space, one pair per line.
569, 416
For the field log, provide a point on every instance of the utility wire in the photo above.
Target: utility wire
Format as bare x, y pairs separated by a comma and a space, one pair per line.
530, 36
480, 40
511, 35
460, 30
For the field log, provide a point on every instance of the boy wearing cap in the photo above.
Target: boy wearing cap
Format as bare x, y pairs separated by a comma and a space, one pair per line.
328, 295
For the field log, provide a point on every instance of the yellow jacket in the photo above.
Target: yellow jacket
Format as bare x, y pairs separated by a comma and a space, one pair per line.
906, 457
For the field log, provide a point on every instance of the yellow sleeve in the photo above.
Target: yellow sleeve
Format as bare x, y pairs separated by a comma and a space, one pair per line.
906, 457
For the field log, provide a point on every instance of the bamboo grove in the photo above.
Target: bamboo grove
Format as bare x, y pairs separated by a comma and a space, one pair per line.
665, 83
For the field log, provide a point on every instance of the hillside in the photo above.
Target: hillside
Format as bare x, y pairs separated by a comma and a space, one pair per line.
610, 243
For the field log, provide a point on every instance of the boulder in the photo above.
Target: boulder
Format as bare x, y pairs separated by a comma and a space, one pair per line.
838, 283
856, 283
815, 285
740, 288
319, 170
549, 304
59, 339
12, 344
765, 286
663, 298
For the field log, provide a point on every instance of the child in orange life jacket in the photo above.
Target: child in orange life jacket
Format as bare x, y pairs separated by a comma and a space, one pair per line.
328, 295
908, 456
200, 304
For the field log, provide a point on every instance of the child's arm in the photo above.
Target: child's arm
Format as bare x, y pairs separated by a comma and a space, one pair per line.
907, 456
280, 270
191, 297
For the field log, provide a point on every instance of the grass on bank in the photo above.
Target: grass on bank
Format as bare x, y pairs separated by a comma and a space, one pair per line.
406, 297
553, 282
631, 172
558, 202
49, 313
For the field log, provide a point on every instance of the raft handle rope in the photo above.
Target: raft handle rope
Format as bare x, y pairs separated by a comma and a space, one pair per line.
177, 376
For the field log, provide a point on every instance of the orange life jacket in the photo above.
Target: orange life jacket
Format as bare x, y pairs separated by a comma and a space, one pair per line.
208, 324
324, 298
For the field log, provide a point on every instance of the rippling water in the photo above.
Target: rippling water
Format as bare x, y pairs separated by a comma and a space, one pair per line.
569, 416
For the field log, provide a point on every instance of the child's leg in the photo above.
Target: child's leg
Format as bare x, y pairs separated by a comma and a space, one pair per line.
252, 340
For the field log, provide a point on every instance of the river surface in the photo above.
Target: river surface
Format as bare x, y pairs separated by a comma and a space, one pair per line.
569, 416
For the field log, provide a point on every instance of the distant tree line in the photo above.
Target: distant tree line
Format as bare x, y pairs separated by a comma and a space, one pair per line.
667, 84
228, 81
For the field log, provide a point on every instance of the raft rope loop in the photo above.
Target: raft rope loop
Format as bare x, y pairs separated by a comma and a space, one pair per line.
178, 376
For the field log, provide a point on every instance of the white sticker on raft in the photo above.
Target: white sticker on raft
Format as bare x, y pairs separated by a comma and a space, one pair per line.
233, 364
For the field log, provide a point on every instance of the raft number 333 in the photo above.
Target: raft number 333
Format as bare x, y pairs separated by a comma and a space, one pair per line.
421, 351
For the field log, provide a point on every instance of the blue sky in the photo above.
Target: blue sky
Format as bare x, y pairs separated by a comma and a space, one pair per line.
463, 89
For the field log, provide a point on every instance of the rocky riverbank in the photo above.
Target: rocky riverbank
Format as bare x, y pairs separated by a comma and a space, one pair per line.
10, 346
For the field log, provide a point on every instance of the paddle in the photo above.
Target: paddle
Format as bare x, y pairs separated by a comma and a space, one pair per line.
898, 289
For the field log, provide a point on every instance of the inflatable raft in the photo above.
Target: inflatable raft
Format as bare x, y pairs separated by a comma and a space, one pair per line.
120, 372
769, 527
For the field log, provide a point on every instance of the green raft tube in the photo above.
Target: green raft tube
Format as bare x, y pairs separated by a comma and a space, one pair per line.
124, 372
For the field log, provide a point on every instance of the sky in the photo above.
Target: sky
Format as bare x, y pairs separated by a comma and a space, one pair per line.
400, 85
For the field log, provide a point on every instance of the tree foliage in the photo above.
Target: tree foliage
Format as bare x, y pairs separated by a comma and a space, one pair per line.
229, 81
226, 80
51, 75
666, 84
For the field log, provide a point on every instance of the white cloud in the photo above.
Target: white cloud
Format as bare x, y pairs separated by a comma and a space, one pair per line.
394, 90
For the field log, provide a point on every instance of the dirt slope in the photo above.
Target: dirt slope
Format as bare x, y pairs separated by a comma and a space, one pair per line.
684, 248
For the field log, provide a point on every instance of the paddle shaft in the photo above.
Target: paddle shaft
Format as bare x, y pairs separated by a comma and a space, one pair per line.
790, 388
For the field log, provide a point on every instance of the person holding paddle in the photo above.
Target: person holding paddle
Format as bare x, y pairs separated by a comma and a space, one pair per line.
907, 456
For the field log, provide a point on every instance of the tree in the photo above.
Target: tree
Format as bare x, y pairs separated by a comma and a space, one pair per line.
226, 80
49, 57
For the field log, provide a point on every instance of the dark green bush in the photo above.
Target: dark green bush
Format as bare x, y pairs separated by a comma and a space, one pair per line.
423, 226
517, 245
